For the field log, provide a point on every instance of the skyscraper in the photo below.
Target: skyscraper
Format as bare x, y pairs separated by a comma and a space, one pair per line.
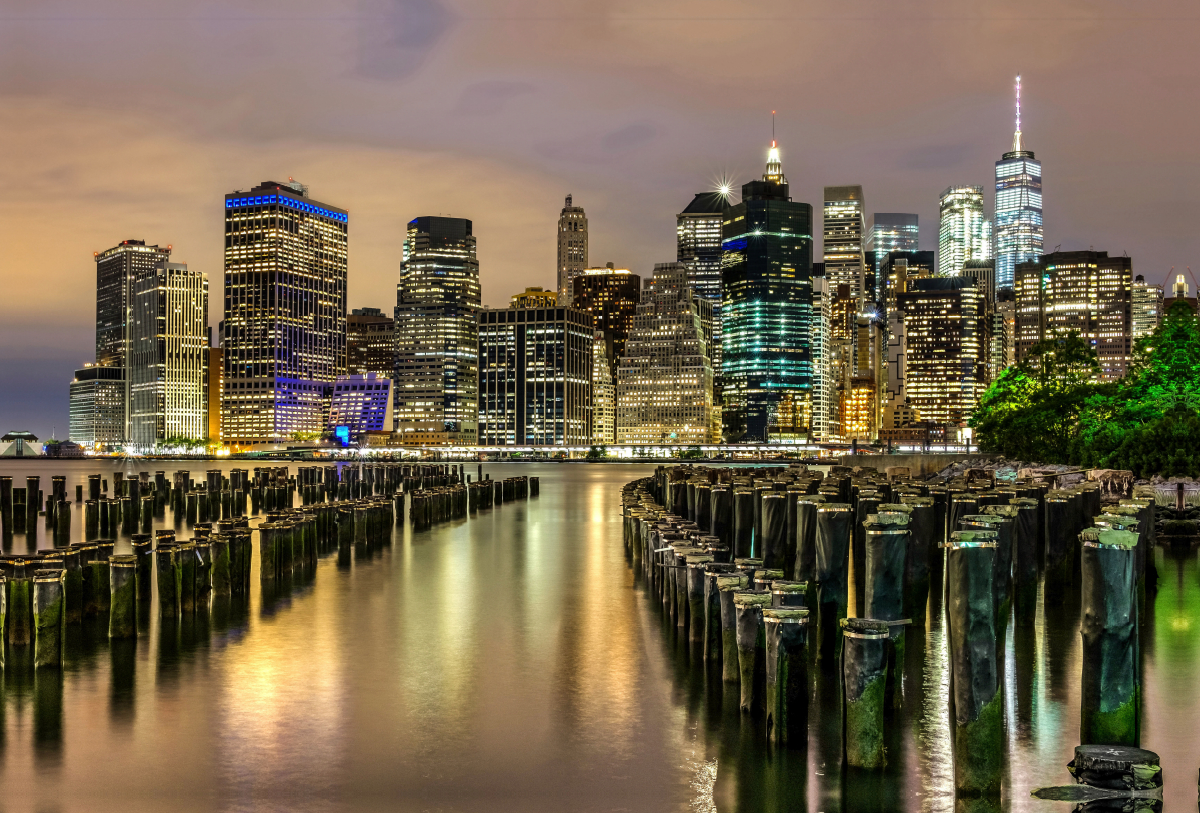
899, 268
535, 297
844, 230
698, 246
437, 339
285, 311
1018, 221
611, 296
891, 231
97, 417
984, 274
963, 231
167, 363
824, 385
572, 247
1084, 291
604, 393
535, 377
1147, 307
115, 270
664, 383
946, 348
361, 403
370, 342
766, 313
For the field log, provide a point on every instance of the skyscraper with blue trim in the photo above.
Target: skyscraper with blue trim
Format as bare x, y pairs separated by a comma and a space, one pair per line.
766, 274
1017, 226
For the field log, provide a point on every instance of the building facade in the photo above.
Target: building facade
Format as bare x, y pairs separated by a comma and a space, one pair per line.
437, 334
945, 329
535, 298
664, 382
214, 390
604, 394
285, 312
1018, 219
535, 377
1146, 306
898, 268
115, 270
611, 296
360, 403
167, 373
572, 246
963, 231
97, 410
891, 231
766, 313
1087, 292
844, 230
698, 246
370, 342
824, 387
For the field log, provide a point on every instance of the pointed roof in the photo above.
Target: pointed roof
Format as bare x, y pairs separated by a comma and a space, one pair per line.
707, 203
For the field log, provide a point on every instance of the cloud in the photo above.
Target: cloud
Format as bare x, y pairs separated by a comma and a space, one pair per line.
396, 36
489, 98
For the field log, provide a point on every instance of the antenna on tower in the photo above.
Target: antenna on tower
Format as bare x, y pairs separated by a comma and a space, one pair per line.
1017, 134
772, 128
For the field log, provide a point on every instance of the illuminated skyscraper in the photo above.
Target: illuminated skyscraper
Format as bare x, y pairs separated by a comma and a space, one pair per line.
167, 362
535, 377
572, 247
891, 231
604, 394
766, 312
1147, 307
946, 347
664, 383
115, 270
844, 230
285, 311
824, 388
1084, 291
1018, 221
963, 232
611, 296
899, 268
97, 417
698, 242
370, 342
437, 333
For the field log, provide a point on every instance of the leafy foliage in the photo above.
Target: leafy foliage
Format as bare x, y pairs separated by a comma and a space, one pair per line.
1052, 407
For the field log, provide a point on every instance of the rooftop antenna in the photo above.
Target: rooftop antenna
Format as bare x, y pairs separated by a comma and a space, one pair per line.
1017, 134
772, 128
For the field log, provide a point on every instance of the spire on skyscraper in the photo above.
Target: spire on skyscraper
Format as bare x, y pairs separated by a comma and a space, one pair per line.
774, 166
1017, 134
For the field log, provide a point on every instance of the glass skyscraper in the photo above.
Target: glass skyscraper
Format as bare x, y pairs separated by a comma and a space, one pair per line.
891, 231
285, 311
437, 333
963, 232
844, 228
766, 309
1018, 221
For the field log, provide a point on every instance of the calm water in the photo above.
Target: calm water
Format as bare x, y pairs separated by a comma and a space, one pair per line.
510, 662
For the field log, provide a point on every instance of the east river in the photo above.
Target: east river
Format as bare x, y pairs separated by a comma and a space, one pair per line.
511, 662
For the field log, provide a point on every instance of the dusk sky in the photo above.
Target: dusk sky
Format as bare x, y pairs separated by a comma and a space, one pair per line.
131, 120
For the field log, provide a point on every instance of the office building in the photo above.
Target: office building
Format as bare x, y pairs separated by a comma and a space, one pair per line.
167, 355
572, 247
698, 244
285, 312
664, 382
611, 296
604, 394
862, 366
898, 268
1002, 354
824, 387
888, 232
963, 231
1018, 219
360, 403
535, 298
984, 274
436, 377
766, 313
1087, 292
1146, 306
370, 342
946, 347
97, 411
215, 387
535, 377
844, 231
115, 269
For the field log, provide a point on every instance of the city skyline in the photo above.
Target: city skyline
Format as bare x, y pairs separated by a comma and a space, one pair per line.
395, 127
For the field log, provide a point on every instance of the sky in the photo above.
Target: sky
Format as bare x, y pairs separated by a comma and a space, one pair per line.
131, 119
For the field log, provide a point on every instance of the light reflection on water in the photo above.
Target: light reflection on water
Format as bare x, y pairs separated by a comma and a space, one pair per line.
511, 662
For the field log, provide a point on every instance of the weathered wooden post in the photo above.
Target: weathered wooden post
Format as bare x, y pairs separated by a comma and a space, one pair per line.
786, 674
1110, 694
168, 576
864, 684
729, 586
49, 619
751, 646
122, 614
833, 550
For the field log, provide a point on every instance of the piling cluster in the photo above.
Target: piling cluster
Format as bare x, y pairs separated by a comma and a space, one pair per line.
755, 567
319, 510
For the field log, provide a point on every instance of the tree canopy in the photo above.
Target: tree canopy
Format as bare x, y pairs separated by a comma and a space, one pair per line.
1054, 408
